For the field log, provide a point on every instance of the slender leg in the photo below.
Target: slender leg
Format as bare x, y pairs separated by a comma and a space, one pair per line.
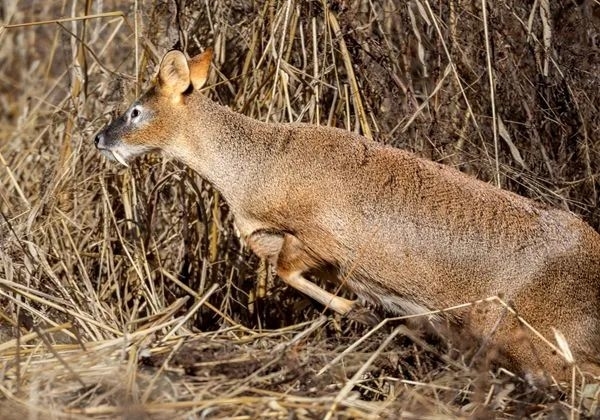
290, 259
338, 304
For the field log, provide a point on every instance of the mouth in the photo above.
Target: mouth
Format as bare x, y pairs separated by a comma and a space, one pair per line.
114, 155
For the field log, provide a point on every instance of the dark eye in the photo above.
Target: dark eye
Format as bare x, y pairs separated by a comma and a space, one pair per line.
135, 113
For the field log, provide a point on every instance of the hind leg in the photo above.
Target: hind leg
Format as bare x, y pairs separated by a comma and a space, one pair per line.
526, 346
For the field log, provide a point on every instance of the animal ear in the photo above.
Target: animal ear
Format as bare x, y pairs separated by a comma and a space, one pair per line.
174, 73
199, 66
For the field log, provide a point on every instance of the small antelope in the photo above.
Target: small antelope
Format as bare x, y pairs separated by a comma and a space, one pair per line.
405, 233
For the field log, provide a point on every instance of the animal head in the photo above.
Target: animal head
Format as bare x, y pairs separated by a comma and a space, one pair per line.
153, 121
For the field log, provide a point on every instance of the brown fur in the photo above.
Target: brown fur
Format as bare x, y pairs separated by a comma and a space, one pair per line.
403, 232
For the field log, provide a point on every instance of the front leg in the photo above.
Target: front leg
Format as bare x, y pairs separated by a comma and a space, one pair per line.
338, 304
290, 259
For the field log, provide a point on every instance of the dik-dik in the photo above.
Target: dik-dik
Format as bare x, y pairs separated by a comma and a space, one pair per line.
402, 232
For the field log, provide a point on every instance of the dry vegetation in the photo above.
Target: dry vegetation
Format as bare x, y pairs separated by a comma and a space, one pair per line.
125, 292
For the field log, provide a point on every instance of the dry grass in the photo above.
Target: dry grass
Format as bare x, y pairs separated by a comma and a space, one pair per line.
126, 292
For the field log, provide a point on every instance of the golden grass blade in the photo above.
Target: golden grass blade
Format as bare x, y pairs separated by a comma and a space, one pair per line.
354, 89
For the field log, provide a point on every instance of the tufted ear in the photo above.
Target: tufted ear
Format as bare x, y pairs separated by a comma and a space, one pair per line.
199, 66
174, 74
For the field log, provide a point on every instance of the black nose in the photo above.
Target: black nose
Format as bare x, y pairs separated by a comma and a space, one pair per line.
97, 139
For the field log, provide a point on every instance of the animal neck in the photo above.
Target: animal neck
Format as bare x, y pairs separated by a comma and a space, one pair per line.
227, 149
